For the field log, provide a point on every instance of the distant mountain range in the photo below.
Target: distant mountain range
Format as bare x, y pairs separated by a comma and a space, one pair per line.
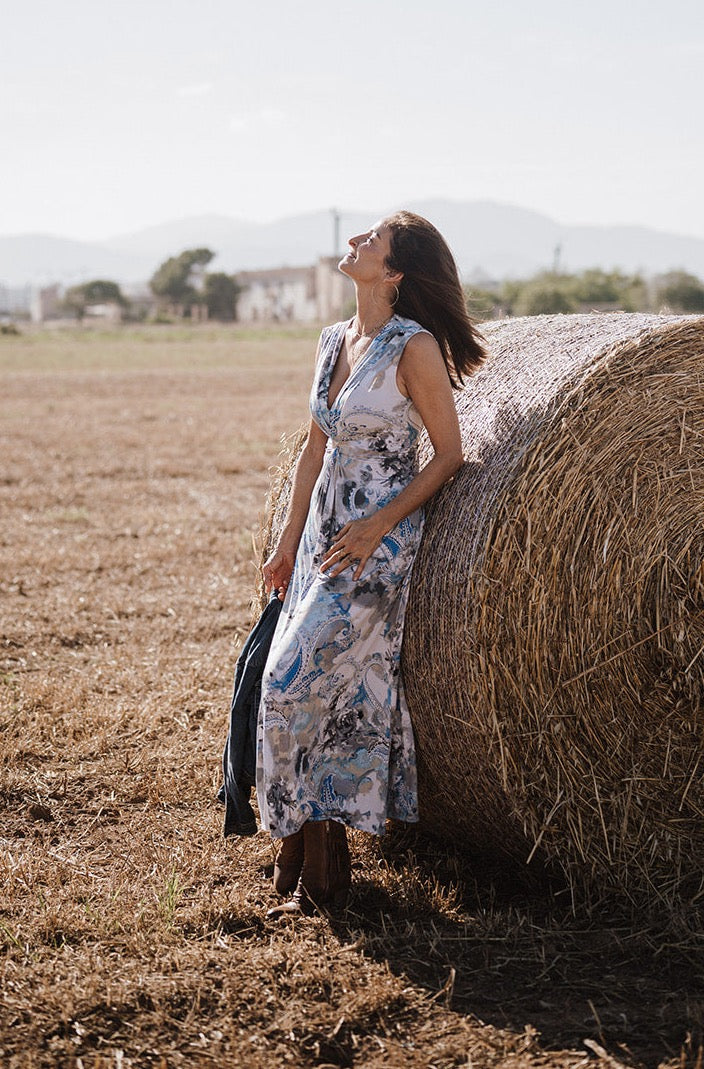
489, 240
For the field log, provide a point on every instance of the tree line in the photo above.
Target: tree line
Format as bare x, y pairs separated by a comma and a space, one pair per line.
182, 286
550, 292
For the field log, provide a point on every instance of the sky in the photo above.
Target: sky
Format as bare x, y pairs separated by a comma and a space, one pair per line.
116, 117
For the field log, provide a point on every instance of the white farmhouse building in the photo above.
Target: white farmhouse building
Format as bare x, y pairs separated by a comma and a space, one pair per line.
45, 303
294, 294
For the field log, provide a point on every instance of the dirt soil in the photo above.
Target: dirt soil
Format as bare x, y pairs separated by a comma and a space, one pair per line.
134, 466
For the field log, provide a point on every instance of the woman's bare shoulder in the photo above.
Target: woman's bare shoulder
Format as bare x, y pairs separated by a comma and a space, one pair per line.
421, 354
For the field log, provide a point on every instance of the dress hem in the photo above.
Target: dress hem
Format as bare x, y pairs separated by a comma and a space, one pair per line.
346, 824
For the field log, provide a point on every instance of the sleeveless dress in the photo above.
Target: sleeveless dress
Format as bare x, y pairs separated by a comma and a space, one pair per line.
334, 737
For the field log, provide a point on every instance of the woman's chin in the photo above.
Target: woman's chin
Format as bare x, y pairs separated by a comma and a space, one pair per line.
345, 264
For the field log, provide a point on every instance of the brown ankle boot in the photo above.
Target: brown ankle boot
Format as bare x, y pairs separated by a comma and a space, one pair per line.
325, 876
288, 864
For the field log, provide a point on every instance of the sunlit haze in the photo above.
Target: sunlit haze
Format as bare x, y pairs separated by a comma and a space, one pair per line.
115, 117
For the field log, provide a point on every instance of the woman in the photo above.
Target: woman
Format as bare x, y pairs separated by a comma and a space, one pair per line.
335, 743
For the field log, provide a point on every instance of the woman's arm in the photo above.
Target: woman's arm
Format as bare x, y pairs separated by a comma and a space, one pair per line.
422, 375
278, 567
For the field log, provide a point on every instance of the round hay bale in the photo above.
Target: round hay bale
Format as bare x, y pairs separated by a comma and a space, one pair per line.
554, 643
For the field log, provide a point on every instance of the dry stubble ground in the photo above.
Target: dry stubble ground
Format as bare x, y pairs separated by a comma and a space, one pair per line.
134, 470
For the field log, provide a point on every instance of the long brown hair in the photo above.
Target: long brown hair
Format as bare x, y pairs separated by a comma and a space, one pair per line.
430, 292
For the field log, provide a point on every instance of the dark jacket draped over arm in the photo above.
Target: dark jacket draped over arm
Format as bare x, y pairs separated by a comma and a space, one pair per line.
239, 758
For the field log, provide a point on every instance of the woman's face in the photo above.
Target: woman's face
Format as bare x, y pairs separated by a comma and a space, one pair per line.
366, 260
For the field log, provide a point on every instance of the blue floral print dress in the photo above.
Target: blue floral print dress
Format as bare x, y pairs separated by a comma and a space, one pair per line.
334, 735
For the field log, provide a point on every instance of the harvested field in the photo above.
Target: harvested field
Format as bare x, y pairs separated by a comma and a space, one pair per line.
133, 476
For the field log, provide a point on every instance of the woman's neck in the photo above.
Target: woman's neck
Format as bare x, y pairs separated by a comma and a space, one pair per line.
372, 310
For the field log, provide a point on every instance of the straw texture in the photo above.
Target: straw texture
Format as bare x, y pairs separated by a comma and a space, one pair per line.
554, 643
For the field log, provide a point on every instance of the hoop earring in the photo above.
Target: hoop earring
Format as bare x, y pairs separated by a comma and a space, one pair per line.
398, 293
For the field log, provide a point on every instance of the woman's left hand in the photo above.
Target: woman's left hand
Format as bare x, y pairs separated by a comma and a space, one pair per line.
353, 546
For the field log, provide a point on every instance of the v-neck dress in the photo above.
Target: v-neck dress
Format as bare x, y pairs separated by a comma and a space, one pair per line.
334, 736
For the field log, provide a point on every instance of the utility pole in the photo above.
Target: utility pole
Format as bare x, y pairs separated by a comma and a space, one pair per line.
336, 232
556, 258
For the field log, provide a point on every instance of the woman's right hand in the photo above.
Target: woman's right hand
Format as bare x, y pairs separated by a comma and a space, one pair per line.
277, 571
